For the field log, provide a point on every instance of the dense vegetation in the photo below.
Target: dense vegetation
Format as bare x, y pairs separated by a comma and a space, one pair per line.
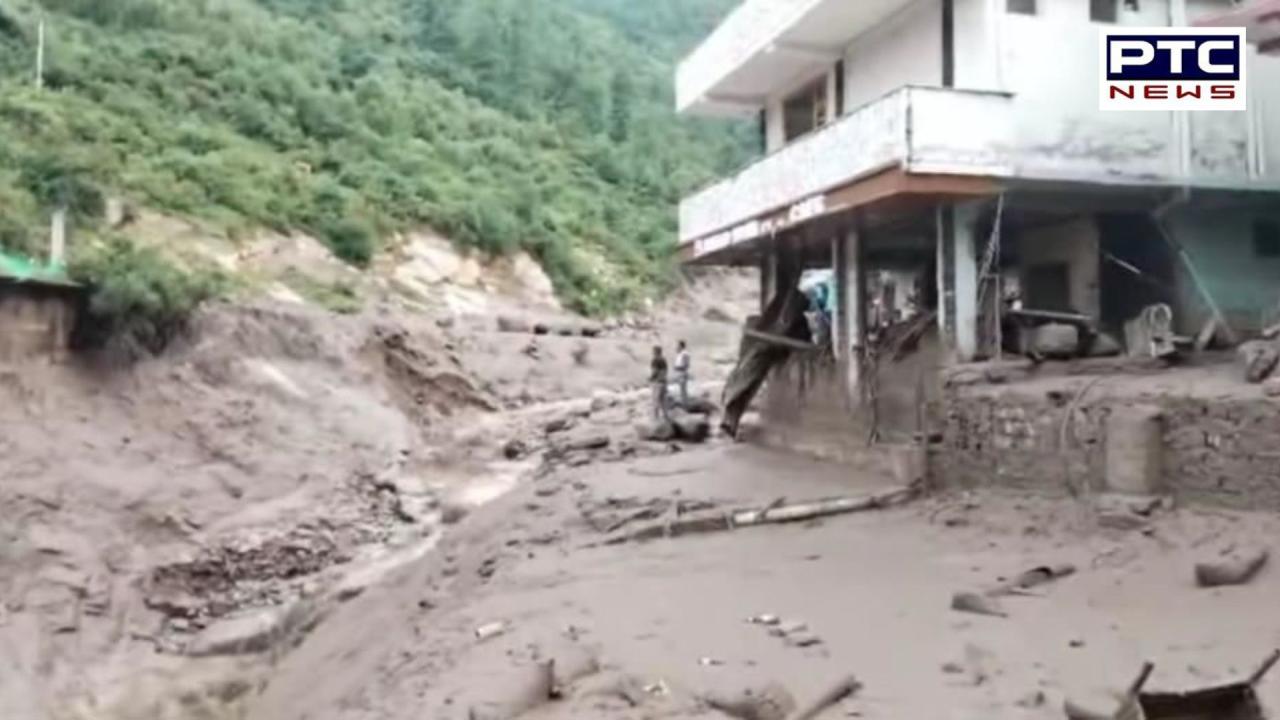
537, 124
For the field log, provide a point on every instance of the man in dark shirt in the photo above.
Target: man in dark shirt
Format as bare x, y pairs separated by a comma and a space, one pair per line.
658, 383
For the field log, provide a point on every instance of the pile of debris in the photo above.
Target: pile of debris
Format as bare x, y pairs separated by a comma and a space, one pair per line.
1260, 361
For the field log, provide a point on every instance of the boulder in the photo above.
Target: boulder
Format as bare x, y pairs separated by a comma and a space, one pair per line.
656, 430
700, 406
514, 449
1258, 358
691, 428
512, 324
1056, 340
591, 442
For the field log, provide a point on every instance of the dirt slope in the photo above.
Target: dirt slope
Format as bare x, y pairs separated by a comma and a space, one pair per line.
280, 455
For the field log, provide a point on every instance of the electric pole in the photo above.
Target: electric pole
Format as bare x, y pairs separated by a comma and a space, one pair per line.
40, 55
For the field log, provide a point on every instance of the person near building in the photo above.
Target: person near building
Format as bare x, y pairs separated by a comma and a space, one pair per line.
682, 366
658, 383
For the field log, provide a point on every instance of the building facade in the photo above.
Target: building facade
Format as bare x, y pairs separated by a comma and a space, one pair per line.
915, 138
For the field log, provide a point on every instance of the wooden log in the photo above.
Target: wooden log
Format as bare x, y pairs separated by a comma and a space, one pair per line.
772, 339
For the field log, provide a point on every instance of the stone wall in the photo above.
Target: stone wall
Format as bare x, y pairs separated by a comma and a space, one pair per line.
35, 321
1215, 450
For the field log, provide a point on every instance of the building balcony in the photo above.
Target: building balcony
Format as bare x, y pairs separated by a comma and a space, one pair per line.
763, 45
922, 130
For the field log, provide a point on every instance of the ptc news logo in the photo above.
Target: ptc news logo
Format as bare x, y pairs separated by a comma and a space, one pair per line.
1173, 69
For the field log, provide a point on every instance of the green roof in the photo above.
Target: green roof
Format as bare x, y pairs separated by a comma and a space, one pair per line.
21, 269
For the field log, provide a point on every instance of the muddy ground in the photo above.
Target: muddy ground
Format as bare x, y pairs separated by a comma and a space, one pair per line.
215, 501
666, 621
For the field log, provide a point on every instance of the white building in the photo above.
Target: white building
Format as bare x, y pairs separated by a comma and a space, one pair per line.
897, 131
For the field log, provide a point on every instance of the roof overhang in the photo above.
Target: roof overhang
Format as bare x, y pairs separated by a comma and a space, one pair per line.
765, 47
1261, 18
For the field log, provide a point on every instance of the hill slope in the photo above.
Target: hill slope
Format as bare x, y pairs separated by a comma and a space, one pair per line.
503, 123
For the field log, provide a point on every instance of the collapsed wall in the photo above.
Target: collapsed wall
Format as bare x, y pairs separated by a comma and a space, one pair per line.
1216, 443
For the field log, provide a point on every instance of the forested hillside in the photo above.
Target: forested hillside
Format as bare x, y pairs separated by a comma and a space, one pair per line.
542, 124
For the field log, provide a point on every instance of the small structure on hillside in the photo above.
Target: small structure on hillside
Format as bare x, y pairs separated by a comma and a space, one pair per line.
38, 307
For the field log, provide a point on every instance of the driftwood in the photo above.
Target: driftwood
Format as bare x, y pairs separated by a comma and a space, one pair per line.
987, 602
1236, 571
707, 522
772, 339
844, 688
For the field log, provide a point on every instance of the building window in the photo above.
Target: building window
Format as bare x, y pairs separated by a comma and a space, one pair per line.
1022, 7
1105, 11
1266, 239
806, 111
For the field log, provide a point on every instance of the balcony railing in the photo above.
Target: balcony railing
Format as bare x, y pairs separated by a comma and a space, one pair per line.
927, 129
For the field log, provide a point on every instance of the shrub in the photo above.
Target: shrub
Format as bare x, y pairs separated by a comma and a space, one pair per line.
138, 300
351, 240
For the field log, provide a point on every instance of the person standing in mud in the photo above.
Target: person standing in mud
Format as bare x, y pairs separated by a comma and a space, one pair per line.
658, 383
682, 364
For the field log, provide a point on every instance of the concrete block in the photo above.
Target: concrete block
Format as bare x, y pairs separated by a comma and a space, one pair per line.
1135, 450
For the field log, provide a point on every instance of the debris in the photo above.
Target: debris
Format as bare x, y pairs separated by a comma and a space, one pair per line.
656, 430
770, 702
1236, 571
1033, 578
492, 630
510, 324
1271, 388
769, 620
1032, 700
803, 639
1258, 358
978, 604
559, 424
533, 686
1150, 334
839, 691
705, 522
710, 662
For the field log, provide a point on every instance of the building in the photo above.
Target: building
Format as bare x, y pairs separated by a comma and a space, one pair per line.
1261, 17
957, 145
38, 310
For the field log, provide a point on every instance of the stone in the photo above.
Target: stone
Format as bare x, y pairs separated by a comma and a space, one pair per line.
691, 428
514, 449
247, 634
656, 430
1104, 345
1258, 358
1056, 340
512, 324
592, 442
559, 424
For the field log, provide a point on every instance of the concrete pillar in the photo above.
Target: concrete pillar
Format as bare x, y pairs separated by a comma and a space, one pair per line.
58, 238
966, 280
849, 333
768, 274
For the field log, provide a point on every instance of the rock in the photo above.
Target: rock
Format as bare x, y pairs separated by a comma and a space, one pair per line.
1126, 521
656, 430
1271, 388
559, 424
591, 331
700, 406
1104, 345
602, 399
511, 324
718, 314
1258, 358
514, 449
1056, 340
541, 329
243, 635
770, 702
453, 513
691, 428
593, 442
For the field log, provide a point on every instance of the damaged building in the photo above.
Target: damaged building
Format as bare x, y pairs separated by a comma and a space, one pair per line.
992, 240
